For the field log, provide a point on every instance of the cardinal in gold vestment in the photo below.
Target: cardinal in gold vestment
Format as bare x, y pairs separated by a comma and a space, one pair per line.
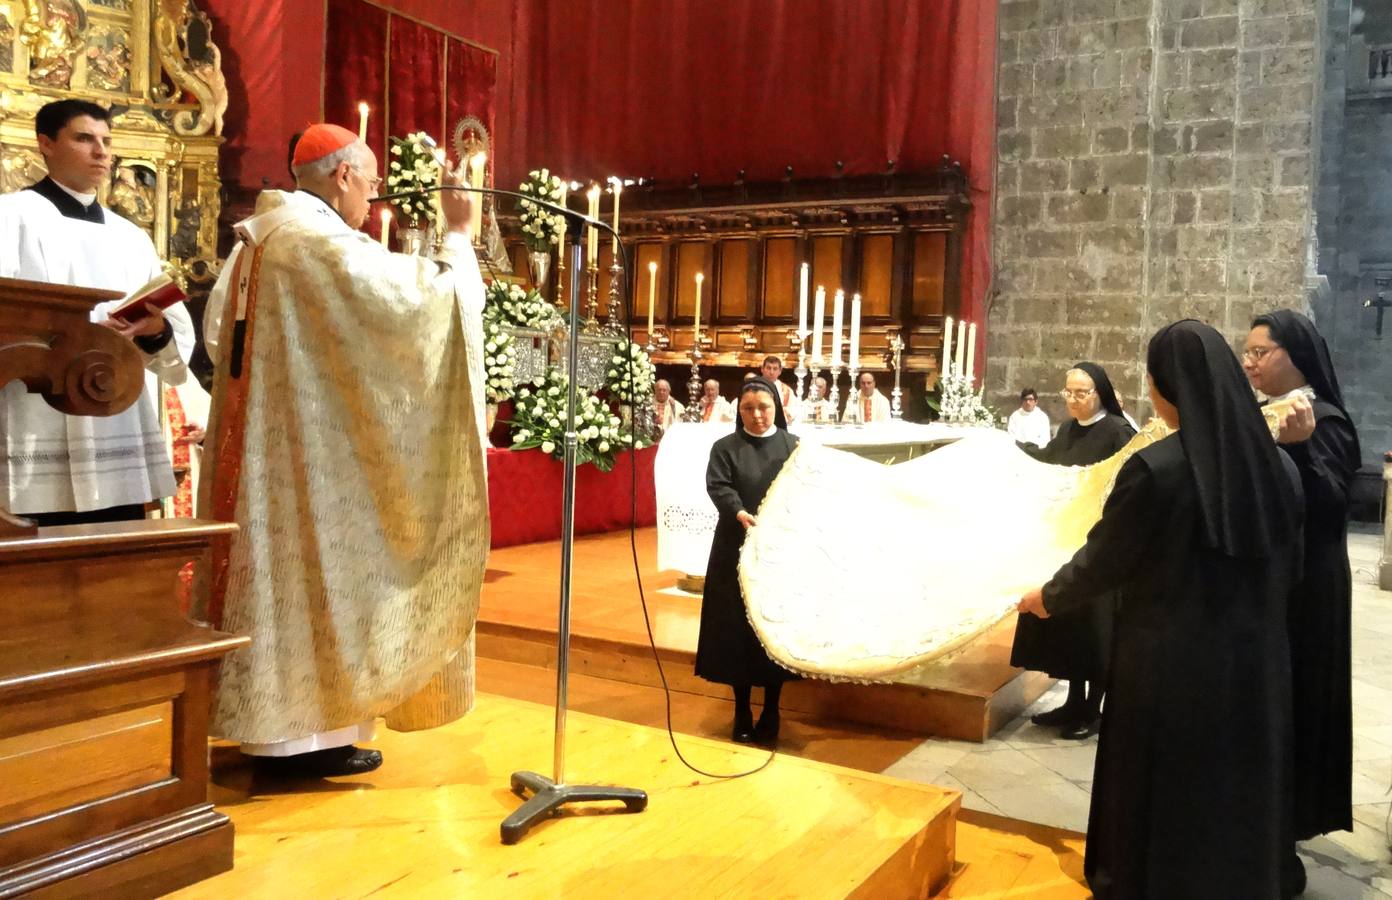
347, 444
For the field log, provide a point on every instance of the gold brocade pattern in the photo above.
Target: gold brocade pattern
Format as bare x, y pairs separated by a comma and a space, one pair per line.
361, 497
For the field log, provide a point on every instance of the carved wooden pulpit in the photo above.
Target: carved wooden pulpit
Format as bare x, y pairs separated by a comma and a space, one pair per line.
104, 684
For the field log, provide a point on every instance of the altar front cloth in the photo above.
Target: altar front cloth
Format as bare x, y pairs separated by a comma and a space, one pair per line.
524, 495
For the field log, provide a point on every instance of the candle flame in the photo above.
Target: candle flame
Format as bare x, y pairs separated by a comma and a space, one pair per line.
652, 268
362, 109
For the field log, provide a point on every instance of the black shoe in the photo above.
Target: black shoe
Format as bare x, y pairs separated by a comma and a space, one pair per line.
1059, 715
743, 732
766, 732
1293, 878
329, 763
1081, 731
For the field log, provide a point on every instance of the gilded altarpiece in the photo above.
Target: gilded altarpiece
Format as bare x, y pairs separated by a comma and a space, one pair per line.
154, 64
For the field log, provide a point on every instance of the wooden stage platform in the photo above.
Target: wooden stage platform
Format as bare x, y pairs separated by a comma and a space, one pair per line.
967, 696
426, 823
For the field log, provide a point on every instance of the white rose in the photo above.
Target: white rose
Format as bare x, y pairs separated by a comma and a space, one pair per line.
548, 447
603, 446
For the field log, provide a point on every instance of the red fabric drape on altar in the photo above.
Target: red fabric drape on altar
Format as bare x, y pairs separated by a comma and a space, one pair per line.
715, 86
524, 495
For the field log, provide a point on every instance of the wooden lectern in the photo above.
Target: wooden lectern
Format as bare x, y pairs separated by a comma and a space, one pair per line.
104, 685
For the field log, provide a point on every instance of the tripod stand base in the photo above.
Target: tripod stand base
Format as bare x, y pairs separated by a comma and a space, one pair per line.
548, 798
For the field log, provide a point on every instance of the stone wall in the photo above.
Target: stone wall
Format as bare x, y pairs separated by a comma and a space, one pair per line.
1155, 162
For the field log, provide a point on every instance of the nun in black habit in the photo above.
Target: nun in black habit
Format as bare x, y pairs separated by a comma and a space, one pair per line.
1285, 354
1201, 535
741, 469
1076, 645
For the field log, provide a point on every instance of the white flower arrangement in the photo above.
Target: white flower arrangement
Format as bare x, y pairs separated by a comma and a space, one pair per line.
499, 361
541, 227
414, 166
962, 406
512, 304
631, 374
539, 417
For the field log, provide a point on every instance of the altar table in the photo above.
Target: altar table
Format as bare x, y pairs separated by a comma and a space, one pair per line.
524, 495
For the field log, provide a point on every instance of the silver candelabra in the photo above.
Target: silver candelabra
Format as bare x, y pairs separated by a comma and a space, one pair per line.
896, 405
835, 392
693, 385
852, 391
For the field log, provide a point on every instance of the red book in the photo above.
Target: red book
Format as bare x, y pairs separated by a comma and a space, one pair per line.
161, 292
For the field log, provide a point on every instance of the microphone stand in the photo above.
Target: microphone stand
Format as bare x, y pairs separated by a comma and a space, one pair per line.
550, 794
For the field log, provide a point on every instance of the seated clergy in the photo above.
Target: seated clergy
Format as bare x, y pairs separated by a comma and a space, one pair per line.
867, 404
715, 408
666, 409
818, 407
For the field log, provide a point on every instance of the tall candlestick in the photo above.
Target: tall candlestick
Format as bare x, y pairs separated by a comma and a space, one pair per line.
855, 332
477, 165
592, 247
961, 347
970, 371
837, 312
560, 232
618, 189
362, 121
947, 347
386, 225
696, 321
819, 320
652, 296
802, 302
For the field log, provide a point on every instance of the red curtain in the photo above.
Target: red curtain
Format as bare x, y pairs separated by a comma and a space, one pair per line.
471, 87
715, 86
355, 68
417, 79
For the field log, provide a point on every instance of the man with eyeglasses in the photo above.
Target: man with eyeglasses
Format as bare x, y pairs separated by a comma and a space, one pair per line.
1029, 424
1285, 357
347, 443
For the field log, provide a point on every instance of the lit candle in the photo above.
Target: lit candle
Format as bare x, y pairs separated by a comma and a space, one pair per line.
652, 295
477, 163
961, 347
592, 247
696, 322
947, 347
362, 121
386, 225
618, 189
819, 318
970, 371
837, 312
802, 304
855, 332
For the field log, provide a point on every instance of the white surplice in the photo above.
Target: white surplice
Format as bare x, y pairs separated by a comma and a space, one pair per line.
60, 463
1030, 427
856, 412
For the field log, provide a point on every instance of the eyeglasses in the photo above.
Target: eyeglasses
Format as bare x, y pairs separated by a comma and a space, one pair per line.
1257, 354
1077, 395
373, 182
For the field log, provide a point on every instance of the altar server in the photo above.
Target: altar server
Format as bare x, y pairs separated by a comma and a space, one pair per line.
1077, 646
1201, 534
742, 467
666, 409
1286, 355
58, 468
1029, 424
347, 443
713, 407
866, 405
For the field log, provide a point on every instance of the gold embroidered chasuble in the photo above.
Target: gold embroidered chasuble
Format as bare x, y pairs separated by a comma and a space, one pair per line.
348, 445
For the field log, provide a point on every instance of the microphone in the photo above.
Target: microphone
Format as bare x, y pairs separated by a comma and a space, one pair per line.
572, 215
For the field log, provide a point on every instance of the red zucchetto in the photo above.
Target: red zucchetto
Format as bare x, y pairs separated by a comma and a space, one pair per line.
319, 141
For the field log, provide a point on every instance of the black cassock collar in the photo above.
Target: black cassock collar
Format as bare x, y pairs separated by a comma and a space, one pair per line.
67, 204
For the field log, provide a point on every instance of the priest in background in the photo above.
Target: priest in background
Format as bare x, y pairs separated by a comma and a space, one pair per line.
867, 405
772, 370
666, 409
60, 469
713, 407
347, 442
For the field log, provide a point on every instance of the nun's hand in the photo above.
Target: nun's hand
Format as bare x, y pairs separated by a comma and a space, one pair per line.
747, 520
1298, 424
1033, 603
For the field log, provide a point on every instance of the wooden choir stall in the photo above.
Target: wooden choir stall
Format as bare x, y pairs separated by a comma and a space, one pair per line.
104, 684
